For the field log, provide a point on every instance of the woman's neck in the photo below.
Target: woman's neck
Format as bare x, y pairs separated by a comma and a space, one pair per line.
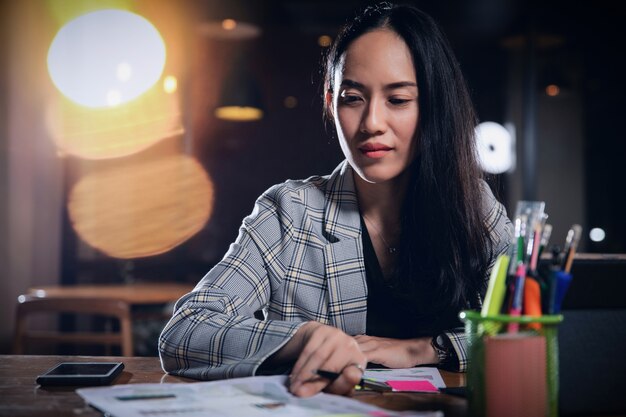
381, 206
382, 203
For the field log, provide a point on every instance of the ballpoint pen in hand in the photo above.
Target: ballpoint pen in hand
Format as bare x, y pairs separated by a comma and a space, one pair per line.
364, 383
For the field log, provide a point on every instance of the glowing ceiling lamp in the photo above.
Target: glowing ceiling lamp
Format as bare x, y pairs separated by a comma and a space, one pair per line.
496, 148
240, 99
106, 58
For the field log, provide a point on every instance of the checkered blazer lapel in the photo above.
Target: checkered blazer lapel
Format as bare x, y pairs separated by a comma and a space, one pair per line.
343, 255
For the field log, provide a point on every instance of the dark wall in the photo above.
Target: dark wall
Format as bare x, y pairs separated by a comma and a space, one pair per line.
602, 38
244, 159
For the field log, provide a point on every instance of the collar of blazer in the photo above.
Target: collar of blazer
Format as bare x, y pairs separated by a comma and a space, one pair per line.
341, 213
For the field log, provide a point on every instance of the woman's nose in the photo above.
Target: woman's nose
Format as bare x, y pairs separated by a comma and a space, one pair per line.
373, 120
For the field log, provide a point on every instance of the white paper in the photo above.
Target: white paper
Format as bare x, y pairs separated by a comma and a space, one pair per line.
429, 374
250, 397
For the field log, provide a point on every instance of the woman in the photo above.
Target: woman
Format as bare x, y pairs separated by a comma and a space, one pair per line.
372, 263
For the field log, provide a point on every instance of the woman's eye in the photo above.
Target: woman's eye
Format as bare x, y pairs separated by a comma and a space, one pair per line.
398, 101
350, 99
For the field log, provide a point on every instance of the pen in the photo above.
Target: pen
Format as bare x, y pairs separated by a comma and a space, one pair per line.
545, 237
551, 280
517, 289
532, 289
521, 237
534, 252
518, 295
562, 282
573, 237
517, 246
458, 391
365, 383
532, 299
136, 397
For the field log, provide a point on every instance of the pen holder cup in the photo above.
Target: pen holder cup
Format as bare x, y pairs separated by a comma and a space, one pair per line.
520, 369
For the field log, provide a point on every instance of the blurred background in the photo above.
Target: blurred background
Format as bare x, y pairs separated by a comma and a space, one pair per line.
136, 135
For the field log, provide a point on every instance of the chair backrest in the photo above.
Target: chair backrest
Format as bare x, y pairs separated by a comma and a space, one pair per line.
592, 339
29, 305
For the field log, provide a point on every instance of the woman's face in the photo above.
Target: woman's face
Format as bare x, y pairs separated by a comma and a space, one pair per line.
375, 106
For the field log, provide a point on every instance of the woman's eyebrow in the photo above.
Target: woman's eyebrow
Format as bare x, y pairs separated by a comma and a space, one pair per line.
352, 84
355, 84
400, 84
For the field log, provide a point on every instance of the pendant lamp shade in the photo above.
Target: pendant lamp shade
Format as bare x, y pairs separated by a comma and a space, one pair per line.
240, 98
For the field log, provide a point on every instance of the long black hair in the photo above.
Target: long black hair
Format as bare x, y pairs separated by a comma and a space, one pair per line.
444, 252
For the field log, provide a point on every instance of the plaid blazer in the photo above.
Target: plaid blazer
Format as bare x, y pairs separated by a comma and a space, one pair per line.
298, 257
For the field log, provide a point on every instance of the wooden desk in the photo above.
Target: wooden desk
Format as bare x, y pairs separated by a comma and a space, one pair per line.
133, 294
20, 396
136, 294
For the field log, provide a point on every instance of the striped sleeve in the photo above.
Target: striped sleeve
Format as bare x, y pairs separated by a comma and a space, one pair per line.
213, 333
458, 342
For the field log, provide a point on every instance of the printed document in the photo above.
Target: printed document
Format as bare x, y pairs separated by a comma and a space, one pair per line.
251, 397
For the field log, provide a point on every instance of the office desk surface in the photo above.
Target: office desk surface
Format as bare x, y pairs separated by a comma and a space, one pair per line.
21, 396
133, 294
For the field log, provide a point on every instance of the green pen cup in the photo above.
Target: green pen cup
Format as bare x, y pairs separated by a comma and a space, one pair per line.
476, 333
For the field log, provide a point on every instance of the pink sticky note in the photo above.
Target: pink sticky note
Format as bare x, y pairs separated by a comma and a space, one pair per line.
415, 386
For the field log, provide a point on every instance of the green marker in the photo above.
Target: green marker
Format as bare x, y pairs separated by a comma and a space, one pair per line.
496, 290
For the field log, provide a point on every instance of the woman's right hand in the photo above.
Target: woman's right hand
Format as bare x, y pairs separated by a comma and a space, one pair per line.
328, 348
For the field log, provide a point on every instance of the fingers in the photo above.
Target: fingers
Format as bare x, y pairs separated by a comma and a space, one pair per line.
329, 349
318, 346
350, 376
316, 351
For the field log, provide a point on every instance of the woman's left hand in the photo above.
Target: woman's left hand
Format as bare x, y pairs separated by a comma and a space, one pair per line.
397, 353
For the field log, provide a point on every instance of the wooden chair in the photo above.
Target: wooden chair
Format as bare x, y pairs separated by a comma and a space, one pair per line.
29, 305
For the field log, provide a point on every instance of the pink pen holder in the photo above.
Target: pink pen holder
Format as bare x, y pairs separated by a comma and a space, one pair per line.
512, 374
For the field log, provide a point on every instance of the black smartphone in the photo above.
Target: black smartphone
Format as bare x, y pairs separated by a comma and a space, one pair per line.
81, 373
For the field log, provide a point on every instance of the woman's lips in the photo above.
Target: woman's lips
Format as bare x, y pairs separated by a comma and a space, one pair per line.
374, 151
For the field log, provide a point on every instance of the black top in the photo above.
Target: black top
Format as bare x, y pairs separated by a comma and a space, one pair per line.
395, 315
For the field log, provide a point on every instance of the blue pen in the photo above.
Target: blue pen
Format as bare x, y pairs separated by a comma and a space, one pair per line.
562, 282
550, 280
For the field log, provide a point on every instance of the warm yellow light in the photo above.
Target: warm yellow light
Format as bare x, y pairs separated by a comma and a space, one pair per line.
553, 90
142, 209
116, 131
62, 11
170, 84
324, 41
229, 29
290, 102
229, 24
239, 114
104, 51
